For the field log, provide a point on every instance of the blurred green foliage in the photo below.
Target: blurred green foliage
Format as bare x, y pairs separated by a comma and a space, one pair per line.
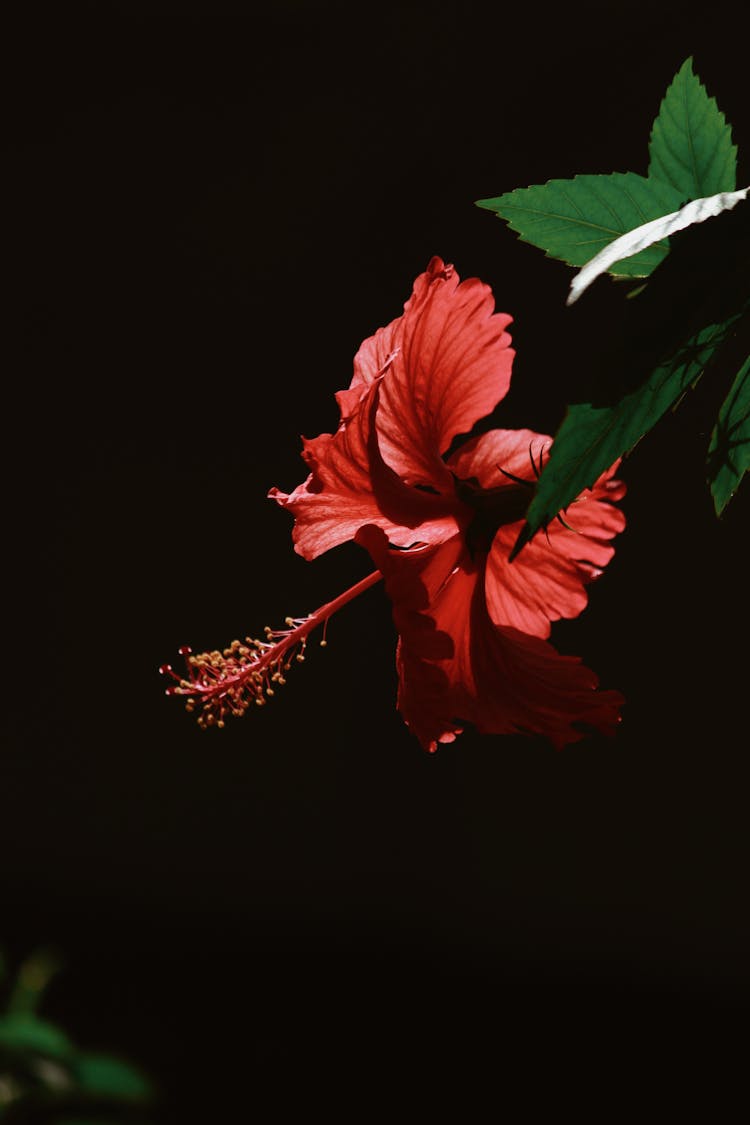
45, 1077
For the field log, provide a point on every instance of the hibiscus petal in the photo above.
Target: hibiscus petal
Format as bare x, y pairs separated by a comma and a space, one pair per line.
548, 579
426, 377
350, 485
457, 666
447, 363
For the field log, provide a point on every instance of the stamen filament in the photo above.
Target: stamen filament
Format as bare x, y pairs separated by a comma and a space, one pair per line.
228, 682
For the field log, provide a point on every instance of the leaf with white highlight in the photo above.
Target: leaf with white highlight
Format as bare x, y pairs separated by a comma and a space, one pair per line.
634, 241
693, 315
573, 219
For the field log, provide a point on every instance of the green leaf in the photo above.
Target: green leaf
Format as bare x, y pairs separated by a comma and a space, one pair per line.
691, 143
729, 448
574, 219
24, 1032
105, 1076
627, 245
591, 438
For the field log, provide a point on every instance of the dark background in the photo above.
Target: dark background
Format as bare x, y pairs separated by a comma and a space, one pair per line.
211, 207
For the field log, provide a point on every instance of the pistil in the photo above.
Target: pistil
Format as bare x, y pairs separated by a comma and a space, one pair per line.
222, 683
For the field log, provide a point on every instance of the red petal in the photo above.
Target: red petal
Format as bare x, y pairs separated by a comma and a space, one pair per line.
548, 579
447, 363
417, 383
350, 485
457, 666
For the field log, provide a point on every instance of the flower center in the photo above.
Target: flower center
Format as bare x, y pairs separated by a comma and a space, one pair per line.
493, 508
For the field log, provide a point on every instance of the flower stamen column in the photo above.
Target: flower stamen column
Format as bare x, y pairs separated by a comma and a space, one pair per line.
222, 683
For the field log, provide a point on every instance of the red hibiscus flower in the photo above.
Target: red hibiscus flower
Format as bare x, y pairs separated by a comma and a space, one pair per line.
440, 528
440, 524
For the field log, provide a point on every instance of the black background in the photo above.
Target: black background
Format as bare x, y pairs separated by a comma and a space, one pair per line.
211, 207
